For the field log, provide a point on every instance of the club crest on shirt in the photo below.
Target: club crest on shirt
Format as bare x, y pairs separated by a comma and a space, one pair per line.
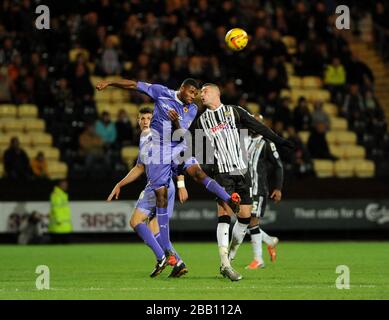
186, 109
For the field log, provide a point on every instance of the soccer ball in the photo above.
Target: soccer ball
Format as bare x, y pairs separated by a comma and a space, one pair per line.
236, 39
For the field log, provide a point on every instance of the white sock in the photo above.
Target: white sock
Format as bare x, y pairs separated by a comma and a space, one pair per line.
238, 233
222, 234
266, 238
256, 242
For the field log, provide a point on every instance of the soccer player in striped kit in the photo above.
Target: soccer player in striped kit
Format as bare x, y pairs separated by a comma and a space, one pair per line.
264, 163
221, 124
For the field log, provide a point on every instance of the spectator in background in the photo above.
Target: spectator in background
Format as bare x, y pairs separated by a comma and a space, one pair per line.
318, 115
31, 229
302, 119
106, 130
124, 129
110, 62
317, 143
359, 73
39, 165
230, 93
4, 84
182, 45
299, 158
60, 217
283, 112
81, 85
335, 79
16, 162
353, 105
42, 88
164, 76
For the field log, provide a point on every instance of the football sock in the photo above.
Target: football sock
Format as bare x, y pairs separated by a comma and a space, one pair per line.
158, 238
266, 238
212, 186
256, 242
148, 237
238, 232
163, 222
222, 234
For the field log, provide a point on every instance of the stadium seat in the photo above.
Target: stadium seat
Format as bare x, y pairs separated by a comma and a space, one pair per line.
253, 107
57, 170
147, 105
331, 137
338, 124
13, 126
41, 139
354, 152
129, 154
304, 136
8, 111
35, 125
24, 139
289, 68
311, 82
343, 169
290, 43
297, 93
1, 171
95, 80
285, 93
364, 169
51, 153
294, 82
330, 109
27, 111
337, 151
323, 168
318, 94
346, 137
117, 96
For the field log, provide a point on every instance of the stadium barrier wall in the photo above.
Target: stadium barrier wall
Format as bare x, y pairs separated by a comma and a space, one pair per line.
289, 215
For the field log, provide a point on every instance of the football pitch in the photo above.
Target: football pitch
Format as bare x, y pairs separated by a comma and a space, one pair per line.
303, 270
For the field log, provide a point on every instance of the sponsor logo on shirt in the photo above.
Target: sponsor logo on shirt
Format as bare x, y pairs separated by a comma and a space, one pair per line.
219, 127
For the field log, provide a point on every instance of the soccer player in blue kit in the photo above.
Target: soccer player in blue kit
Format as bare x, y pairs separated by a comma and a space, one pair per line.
172, 110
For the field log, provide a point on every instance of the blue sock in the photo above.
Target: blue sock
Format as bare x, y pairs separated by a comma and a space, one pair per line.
148, 237
163, 222
158, 238
215, 188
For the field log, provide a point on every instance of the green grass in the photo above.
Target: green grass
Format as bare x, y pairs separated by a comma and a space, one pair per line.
303, 270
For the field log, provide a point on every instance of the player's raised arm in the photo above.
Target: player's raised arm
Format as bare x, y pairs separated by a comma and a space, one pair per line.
251, 123
122, 84
134, 174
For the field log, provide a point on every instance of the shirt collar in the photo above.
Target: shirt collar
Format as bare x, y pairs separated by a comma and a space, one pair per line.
219, 107
176, 98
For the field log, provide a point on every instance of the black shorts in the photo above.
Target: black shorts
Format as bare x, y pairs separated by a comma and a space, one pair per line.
236, 183
259, 206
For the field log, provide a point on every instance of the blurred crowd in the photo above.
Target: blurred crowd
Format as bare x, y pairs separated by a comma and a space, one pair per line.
167, 41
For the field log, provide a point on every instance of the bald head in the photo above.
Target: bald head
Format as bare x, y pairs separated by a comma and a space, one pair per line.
210, 95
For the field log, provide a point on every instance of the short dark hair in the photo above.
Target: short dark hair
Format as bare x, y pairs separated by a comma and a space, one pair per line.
190, 82
145, 110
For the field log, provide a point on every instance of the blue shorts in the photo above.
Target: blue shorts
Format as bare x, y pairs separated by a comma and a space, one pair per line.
179, 169
147, 201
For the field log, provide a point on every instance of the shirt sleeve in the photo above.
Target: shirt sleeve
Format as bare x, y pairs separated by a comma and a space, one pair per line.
273, 157
249, 122
152, 90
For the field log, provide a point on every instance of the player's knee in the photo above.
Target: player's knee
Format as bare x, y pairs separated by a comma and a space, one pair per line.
134, 221
244, 220
198, 175
254, 221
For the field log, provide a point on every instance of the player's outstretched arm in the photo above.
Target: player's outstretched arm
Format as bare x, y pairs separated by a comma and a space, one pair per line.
134, 174
122, 84
182, 192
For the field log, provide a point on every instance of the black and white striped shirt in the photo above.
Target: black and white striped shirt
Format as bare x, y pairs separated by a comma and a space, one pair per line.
222, 127
263, 159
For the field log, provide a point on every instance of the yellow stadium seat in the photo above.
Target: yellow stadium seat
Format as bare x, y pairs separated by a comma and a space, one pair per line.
129, 154
290, 43
319, 94
31, 152
304, 136
338, 124
253, 107
294, 82
147, 105
330, 109
311, 82
354, 152
95, 80
27, 111
1, 171
297, 93
346, 137
131, 108
343, 169
289, 68
117, 96
24, 139
285, 93
364, 169
35, 125
13, 126
103, 96
41, 139
323, 168
51, 153
4, 140
337, 151
8, 111
57, 170
331, 137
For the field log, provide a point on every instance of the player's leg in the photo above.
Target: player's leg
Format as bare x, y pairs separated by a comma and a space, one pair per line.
271, 243
240, 229
259, 205
243, 186
198, 175
137, 222
222, 234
